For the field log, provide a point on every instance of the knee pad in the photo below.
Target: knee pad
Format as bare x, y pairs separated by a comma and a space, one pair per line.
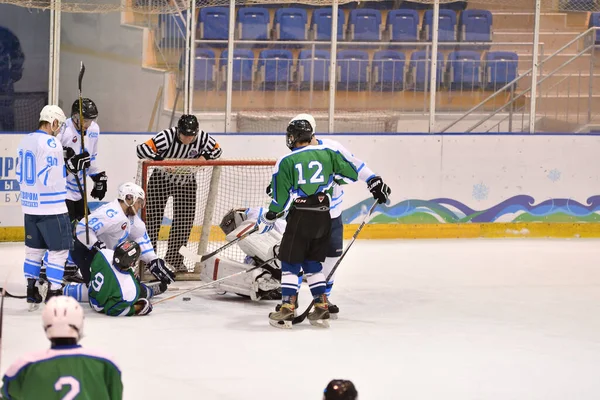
33, 262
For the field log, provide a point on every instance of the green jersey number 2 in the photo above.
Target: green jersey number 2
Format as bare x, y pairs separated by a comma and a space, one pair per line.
317, 176
68, 381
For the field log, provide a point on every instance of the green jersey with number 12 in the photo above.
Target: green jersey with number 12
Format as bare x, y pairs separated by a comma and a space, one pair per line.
112, 291
63, 373
309, 170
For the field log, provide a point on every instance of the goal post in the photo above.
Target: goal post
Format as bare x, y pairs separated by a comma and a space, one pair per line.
187, 199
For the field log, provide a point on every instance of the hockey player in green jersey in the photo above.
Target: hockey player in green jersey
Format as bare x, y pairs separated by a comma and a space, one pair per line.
66, 370
302, 183
113, 288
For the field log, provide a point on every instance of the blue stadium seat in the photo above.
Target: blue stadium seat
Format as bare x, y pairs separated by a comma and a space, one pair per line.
464, 70
214, 24
291, 24
243, 69
595, 21
172, 29
447, 25
275, 68
403, 25
204, 69
253, 23
388, 70
364, 25
475, 26
419, 70
353, 70
321, 24
500, 68
319, 65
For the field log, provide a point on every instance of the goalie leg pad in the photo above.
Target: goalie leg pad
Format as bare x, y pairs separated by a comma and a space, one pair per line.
262, 247
217, 268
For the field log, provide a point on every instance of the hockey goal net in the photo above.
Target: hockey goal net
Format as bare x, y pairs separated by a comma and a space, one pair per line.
187, 199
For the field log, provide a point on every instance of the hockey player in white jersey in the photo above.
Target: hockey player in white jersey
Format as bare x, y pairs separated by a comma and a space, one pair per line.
42, 179
379, 190
262, 283
111, 225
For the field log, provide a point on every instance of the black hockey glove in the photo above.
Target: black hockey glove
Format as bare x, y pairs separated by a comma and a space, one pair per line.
100, 185
78, 162
379, 190
142, 307
159, 269
99, 245
157, 157
269, 191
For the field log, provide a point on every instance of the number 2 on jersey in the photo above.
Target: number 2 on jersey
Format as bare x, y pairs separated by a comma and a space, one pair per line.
317, 176
68, 381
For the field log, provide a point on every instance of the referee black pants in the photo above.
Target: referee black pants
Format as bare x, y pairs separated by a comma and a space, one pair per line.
161, 186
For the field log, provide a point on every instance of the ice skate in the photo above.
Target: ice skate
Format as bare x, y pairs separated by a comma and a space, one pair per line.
52, 293
333, 310
284, 317
278, 306
320, 314
35, 294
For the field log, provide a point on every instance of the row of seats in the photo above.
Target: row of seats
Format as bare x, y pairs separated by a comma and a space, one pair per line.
387, 71
364, 25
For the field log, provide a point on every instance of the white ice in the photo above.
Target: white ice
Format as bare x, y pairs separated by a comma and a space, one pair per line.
452, 319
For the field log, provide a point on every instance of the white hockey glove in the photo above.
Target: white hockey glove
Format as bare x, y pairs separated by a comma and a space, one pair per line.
266, 222
159, 269
143, 307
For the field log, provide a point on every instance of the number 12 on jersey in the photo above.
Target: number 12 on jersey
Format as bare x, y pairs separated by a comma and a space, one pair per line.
316, 168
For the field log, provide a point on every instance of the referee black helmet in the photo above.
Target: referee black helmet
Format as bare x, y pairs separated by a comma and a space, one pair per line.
188, 125
339, 389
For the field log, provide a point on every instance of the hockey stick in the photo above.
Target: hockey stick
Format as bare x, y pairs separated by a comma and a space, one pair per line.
7, 294
84, 194
217, 281
303, 316
187, 253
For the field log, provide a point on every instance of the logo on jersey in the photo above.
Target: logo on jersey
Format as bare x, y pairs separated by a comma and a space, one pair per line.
110, 213
93, 134
124, 226
74, 139
52, 143
193, 153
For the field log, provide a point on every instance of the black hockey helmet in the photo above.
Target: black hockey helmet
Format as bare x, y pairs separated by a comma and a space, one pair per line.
188, 125
126, 255
90, 111
298, 131
339, 389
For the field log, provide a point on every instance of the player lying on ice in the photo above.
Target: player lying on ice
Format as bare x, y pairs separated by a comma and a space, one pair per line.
113, 288
262, 283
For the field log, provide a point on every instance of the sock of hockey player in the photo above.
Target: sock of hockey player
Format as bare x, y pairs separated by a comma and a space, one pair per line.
78, 291
283, 317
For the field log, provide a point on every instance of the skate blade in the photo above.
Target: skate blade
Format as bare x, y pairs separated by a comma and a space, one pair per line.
34, 306
281, 324
320, 323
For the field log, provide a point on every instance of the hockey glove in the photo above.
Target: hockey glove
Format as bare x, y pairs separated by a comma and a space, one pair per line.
379, 190
157, 157
100, 185
159, 269
269, 191
78, 162
266, 222
142, 307
99, 245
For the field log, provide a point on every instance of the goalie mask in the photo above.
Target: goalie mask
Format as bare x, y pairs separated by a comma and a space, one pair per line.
298, 131
232, 220
126, 255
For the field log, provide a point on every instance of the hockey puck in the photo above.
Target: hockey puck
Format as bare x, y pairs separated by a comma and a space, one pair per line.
187, 298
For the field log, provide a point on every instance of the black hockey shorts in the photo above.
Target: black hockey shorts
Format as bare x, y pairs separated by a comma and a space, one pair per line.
306, 236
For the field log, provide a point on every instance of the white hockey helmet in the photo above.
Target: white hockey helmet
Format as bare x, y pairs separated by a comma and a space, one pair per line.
51, 113
306, 117
63, 318
129, 192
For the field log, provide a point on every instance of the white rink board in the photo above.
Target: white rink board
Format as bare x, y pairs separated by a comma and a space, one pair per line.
478, 170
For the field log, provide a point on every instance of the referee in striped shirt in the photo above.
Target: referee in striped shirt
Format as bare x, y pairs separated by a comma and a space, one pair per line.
185, 142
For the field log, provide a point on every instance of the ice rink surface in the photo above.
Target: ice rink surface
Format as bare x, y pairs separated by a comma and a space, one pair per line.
447, 319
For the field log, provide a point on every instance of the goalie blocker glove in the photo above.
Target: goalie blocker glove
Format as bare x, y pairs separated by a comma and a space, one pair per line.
379, 190
159, 269
78, 162
266, 221
100, 185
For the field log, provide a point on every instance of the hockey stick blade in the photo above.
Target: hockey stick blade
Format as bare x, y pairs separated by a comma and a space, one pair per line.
208, 284
303, 316
7, 294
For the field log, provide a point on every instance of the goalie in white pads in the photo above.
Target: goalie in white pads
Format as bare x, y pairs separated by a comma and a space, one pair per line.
113, 224
262, 283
